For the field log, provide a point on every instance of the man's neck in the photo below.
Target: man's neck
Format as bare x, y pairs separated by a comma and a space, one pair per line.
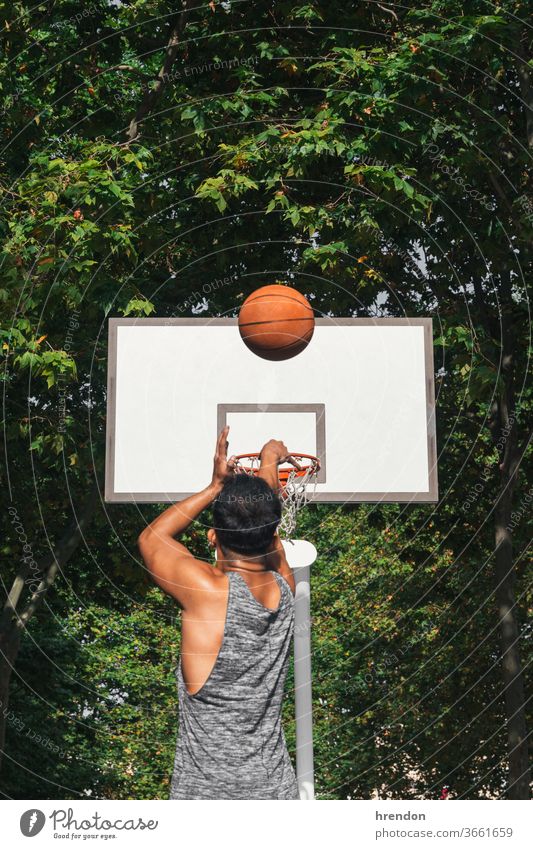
254, 563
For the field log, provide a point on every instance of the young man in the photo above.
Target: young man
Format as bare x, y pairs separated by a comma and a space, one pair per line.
237, 625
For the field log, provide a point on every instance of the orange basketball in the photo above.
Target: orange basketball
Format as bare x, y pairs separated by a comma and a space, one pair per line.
276, 322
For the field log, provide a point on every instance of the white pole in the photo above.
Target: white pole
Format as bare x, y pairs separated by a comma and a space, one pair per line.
302, 683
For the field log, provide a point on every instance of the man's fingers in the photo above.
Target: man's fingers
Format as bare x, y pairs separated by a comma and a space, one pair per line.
295, 463
222, 442
288, 458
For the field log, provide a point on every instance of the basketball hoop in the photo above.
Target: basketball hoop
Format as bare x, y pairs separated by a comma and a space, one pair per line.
294, 483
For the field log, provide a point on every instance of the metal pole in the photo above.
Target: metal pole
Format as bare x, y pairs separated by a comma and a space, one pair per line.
302, 683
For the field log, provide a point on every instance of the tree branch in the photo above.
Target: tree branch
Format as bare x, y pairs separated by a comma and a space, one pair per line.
51, 564
481, 304
153, 94
129, 68
526, 90
503, 197
388, 11
500, 192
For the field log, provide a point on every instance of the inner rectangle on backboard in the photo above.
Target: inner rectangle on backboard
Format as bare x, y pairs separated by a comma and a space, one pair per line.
300, 426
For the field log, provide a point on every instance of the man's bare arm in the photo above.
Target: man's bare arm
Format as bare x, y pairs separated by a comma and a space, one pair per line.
272, 454
170, 563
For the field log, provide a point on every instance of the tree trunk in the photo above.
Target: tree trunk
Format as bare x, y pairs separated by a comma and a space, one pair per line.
154, 91
9, 646
519, 771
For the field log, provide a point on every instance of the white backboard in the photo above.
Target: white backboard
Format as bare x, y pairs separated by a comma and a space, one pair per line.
360, 396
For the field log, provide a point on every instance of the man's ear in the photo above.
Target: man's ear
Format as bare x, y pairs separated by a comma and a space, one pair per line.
212, 537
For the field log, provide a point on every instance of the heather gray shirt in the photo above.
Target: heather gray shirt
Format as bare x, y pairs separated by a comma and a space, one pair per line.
231, 743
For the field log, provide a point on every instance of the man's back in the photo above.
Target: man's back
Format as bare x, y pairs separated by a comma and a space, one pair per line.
231, 743
202, 623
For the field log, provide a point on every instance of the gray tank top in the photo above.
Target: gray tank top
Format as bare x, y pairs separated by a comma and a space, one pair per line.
231, 743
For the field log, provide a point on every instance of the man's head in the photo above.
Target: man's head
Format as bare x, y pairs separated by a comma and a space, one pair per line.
246, 515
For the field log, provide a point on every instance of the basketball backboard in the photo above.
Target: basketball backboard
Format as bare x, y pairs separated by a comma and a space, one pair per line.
360, 397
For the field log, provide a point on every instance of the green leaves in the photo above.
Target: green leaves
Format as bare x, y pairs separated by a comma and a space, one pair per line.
52, 365
327, 257
138, 306
196, 115
466, 352
381, 177
228, 184
212, 189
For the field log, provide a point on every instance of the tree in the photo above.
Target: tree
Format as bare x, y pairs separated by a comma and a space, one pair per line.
380, 166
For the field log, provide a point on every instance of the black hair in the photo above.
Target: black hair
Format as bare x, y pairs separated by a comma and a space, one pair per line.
246, 515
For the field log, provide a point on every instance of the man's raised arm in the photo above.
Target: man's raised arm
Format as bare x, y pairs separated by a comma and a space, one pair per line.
170, 563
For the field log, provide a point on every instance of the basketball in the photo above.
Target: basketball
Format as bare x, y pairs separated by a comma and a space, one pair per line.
276, 322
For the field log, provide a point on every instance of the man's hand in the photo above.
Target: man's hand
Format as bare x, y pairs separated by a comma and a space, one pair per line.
222, 467
275, 451
272, 454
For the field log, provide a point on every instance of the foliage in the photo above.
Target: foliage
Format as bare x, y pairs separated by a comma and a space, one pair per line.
380, 166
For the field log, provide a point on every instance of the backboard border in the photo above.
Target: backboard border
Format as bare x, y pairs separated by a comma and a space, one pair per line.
430, 496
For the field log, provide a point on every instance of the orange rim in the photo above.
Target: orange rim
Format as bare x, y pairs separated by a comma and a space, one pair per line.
283, 474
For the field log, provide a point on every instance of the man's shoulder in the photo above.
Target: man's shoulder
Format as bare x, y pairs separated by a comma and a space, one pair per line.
286, 572
198, 583
211, 579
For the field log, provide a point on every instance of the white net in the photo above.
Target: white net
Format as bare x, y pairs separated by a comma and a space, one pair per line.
299, 488
298, 491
